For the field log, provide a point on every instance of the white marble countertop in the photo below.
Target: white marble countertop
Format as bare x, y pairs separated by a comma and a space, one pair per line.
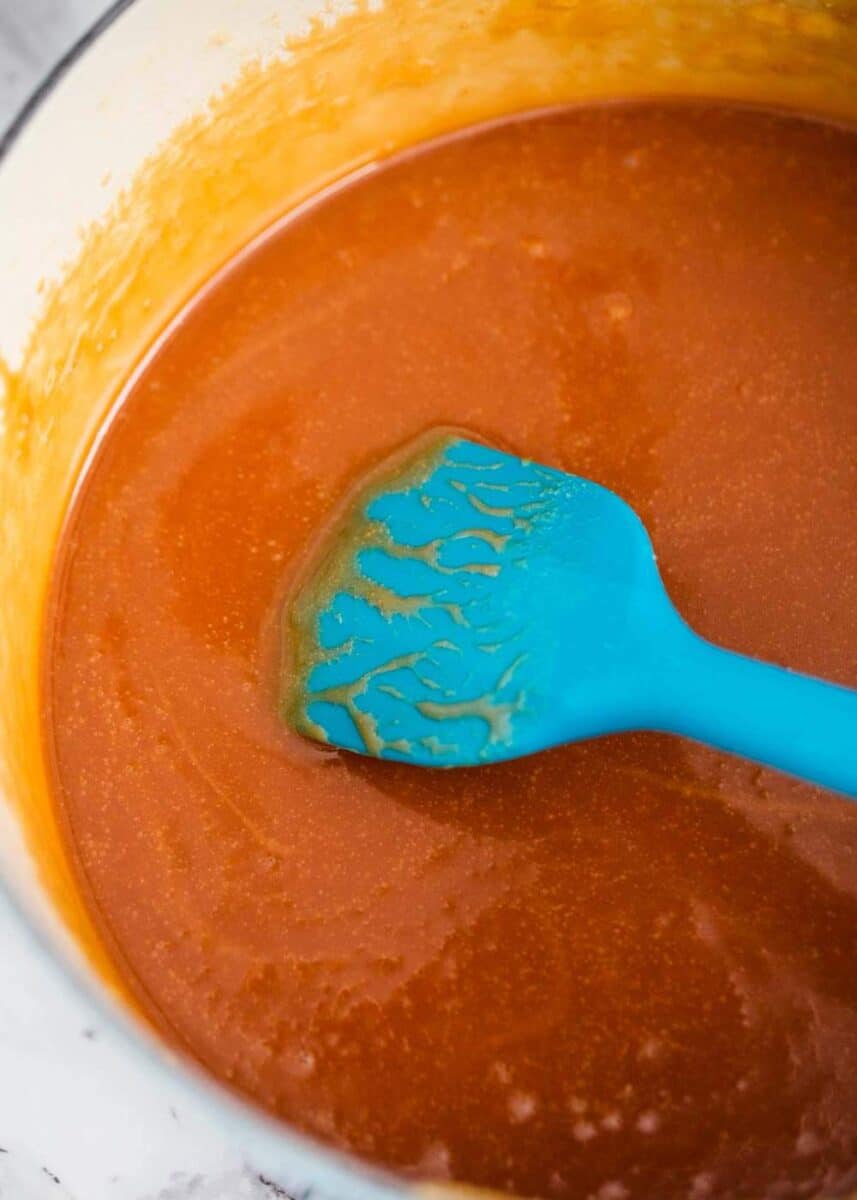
78, 1120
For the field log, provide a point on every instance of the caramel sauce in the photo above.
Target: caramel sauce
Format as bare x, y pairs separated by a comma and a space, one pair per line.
625, 967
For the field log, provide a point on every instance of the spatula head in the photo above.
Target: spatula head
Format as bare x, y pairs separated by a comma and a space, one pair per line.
471, 606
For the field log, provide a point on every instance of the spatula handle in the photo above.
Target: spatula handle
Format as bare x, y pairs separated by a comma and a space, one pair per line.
794, 722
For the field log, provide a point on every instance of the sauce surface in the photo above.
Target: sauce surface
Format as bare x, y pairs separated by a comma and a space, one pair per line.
623, 968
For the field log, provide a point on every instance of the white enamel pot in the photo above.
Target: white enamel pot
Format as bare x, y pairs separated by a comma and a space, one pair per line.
148, 66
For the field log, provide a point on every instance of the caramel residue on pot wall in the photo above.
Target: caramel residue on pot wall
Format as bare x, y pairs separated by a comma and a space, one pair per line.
346, 95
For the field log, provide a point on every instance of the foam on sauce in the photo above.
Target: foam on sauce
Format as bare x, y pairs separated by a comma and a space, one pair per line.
623, 968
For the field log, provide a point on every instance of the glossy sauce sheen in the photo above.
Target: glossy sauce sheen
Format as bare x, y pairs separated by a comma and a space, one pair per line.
627, 967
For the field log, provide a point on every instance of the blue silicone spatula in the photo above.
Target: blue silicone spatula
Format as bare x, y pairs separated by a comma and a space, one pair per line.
472, 607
